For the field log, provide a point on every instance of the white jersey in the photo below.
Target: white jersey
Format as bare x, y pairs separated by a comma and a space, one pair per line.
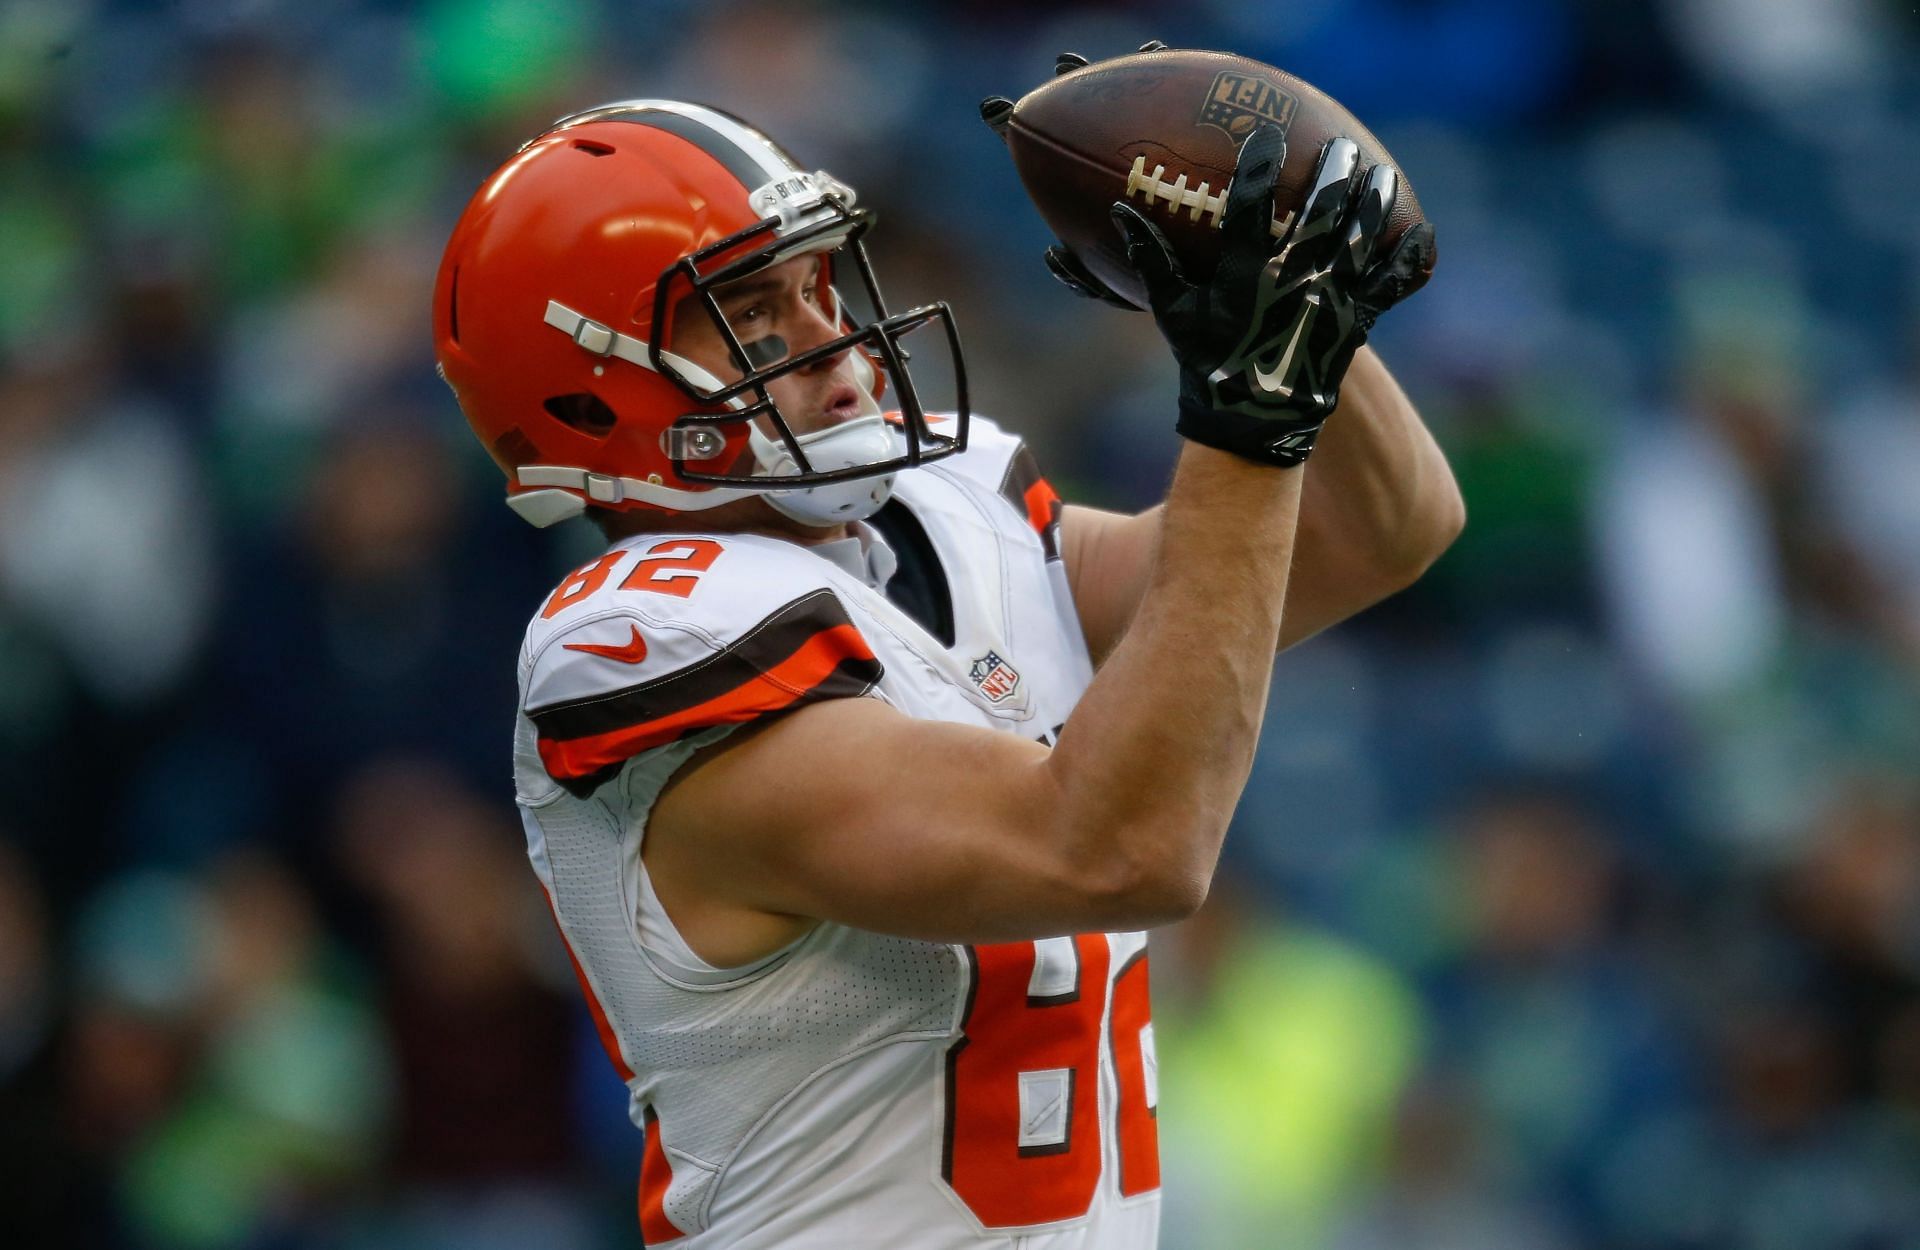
853, 1089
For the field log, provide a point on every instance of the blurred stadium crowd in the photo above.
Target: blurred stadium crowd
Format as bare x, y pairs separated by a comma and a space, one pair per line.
1575, 904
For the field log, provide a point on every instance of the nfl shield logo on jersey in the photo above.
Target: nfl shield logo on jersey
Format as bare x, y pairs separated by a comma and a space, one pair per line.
995, 677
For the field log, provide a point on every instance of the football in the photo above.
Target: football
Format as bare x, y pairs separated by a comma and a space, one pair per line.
1161, 129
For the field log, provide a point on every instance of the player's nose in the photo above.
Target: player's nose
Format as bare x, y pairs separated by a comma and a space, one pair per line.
815, 329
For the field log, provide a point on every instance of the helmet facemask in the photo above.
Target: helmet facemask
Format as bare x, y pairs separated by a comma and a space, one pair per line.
623, 217
840, 473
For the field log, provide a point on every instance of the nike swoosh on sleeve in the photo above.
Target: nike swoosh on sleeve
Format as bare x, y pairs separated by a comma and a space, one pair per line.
630, 652
806, 652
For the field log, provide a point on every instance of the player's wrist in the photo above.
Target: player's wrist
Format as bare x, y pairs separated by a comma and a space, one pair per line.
1276, 440
1219, 480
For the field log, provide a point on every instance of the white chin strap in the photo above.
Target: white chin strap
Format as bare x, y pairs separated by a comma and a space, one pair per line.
865, 439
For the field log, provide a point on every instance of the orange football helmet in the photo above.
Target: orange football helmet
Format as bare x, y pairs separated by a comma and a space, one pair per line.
553, 313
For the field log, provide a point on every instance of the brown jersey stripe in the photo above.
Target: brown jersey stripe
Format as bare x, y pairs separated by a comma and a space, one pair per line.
1037, 501
759, 651
827, 667
775, 668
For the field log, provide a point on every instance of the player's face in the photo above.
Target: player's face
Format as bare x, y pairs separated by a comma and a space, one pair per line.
776, 313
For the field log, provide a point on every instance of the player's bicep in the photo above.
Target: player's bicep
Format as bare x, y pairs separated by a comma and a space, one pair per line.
852, 812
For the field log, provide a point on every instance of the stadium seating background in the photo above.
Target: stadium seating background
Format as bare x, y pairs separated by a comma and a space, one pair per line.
1575, 901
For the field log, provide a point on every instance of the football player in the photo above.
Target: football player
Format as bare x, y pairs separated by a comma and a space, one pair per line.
857, 765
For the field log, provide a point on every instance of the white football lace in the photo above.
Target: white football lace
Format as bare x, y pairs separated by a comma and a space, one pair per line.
1154, 187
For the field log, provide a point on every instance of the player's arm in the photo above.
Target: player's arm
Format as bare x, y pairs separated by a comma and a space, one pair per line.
850, 811
1378, 506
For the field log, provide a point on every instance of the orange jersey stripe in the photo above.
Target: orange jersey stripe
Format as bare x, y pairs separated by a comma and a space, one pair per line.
656, 1174
780, 687
601, 1025
1043, 505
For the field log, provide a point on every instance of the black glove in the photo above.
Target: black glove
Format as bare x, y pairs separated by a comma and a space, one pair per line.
1264, 344
1075, 275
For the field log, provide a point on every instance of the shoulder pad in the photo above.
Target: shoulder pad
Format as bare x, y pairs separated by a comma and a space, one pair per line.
1002, 463
989, 450
629, 668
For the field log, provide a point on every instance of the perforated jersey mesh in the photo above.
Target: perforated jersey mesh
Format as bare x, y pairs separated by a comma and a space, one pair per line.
714, 1060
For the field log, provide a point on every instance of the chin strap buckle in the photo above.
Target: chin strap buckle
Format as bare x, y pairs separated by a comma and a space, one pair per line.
590, 335
593, 336
603, 489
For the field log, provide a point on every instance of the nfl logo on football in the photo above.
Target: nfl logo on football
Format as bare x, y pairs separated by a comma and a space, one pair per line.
995, 677
1236, 103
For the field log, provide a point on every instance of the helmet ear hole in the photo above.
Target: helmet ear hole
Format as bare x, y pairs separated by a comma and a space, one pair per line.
584, 411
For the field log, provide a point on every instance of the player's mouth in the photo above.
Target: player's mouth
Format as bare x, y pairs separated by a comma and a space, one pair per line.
843, 404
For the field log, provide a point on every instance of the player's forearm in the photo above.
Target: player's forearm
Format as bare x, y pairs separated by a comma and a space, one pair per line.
1379, 502
1152, 761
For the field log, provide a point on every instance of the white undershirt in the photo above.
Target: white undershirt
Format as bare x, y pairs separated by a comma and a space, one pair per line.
864, 555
